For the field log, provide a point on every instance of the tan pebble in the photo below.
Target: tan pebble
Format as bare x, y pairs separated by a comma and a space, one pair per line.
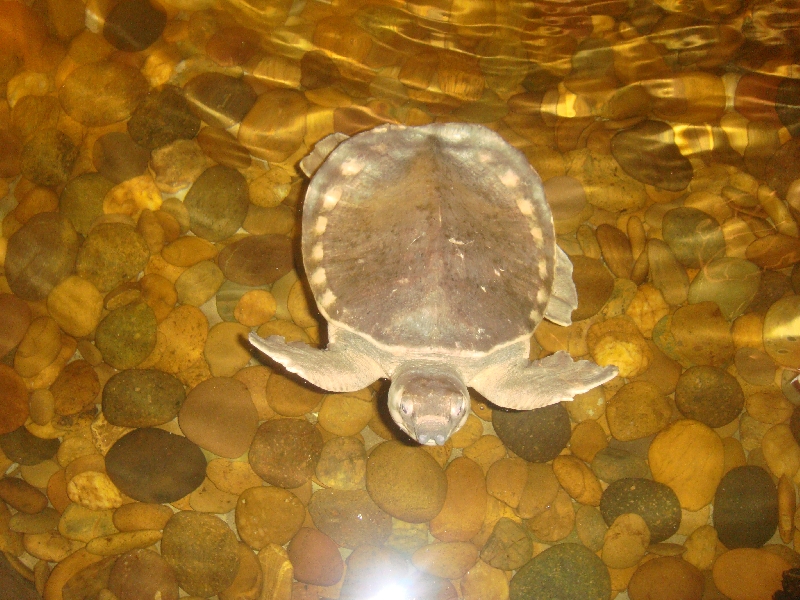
94, 491
781, 451
286, 329
10, 541
637, 410
483, 582
315, 557
407, 537
150, 229
42, 405
39, 347
57, 491
159, 294
232, 476
38, 475
747, 331
480, 407
50, 546
249, 580
769, 406
83, 524
556, 521
540, 491
120, 543
626, 541
591, 405
342, 464
577, 480
299, 308
449, 560
74, 447
485, 450
210, 499
133, 196
441, 454
76, 305
688, 456
41, 522
469, 433
141, 515
255, 378
21, 495
787, 505
226, 349
506, 479
188, 250
751, 432
268, 515
587, 439
344, 415
182, 339
693, 519
65, 570
702, 321
618, 341
255, 308
701, 547
648, 580
289, 398
749, 574
464, 506
647, 308
277, 571
198, 284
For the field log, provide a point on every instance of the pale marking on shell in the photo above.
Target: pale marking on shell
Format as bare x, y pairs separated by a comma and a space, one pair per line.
485, 157
541, 296
535, 315
320, 225
316, 252
352, 167
331, 197
509, 179
542, 269
327, 299
536, 232
525, 206
318, 277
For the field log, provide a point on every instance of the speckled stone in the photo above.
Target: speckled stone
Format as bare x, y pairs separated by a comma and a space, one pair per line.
406, 482
652, 579
40, 254
746, 508
562, 571
161, 118
508, 547
217, 203
111, 254
76, 388
14, 407
118, 158
140, 574
637, 410
257, 259
709, 395
47, 157
127, 335
656, 503
693, 236
142, 398
268, 515
202, 550
153, 465
219, 99
535, 435
284, 452
22, 447
342, 464
101, 93
611, 464
350, 517
644, 154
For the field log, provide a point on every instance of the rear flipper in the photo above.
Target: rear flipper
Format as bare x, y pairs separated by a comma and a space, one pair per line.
342, 367
525, 385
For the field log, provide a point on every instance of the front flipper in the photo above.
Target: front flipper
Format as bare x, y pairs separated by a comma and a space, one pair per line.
525, 385
342, 367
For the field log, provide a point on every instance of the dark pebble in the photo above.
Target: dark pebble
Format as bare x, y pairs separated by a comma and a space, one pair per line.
285, 452
24, 448
47, 157
784, 167
655, 502
142, 398
508, 547
746, 508
127, 335
143, 574
161, 118
535, 435
709, 395
564, 571
611, 464
217, 203
219, 99
349, 517
118, 158
643, 153
787, 105
257, 259
81, 201
134, 25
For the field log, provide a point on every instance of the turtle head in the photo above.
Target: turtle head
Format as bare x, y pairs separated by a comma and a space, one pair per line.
428, 401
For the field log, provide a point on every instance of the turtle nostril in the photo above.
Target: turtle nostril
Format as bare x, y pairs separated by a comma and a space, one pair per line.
440, 440
422, 439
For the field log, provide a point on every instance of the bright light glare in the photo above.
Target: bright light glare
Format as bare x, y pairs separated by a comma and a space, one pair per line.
393, 591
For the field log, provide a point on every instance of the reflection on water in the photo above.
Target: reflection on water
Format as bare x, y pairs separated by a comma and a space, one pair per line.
148, 155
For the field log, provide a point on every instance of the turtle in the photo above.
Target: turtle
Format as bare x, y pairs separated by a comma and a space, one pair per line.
431, 252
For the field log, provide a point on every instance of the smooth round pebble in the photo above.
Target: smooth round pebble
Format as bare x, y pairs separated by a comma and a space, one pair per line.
464, 508
127, 335
219, 416
342, 464
568, 571
101, 93
142, 398
14, 407
637, 410
257, 259
782, 332
47, 157
202, 550
535, 435
140, 574
625, 542
749, 574
22, 447
285, 452
594, 284
217, 203
76, 388
694, 237
508, 546
666, 578
162, 118
219, 99
268, 515
117, 158
447, 560
344, 415
289, 398
153, 465
133, 26
656, 503
76, 305
746, 507
709, 395
315, 558
350, 517
648, 153
15, 317
406, 482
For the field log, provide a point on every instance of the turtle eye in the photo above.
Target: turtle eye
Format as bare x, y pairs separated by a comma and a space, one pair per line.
405, 406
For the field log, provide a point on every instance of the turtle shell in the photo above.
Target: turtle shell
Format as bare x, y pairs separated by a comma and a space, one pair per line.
431, 237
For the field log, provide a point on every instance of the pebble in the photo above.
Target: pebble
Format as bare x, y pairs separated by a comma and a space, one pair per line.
249, 580
219, 99
782, 170
749, 574
613, 463
181, 340
649, 582
198, 284
508, 547
666, 273
112, 253
24, 448
577, 480
618, 341
655, 502
41, 522
101, 93
701, 547
219, 416
14, 407
782, 332
75, 389
769, 406
464, 508
625, 542
637, 410
701, 321
594, 284
142, 573
134, 458
142, 398
746, 508
535, 435
117, 159
284, 452
83, 524
217, 203
47, 157
257, 260
587, 439
349, 517
730, 282
709, 395
694, 237
222, 147
268, 515
591, 528
342, 464
138, 516
177, 165
202, 550
76, 305
40, 346
289, 398
21, 495
647, 152
274, 127
40, 255
448, 560
344, 415
315, 558
406, 482
162, 118
484, 581
133, 26
127, 335
754, 366
15, 317
564, 570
